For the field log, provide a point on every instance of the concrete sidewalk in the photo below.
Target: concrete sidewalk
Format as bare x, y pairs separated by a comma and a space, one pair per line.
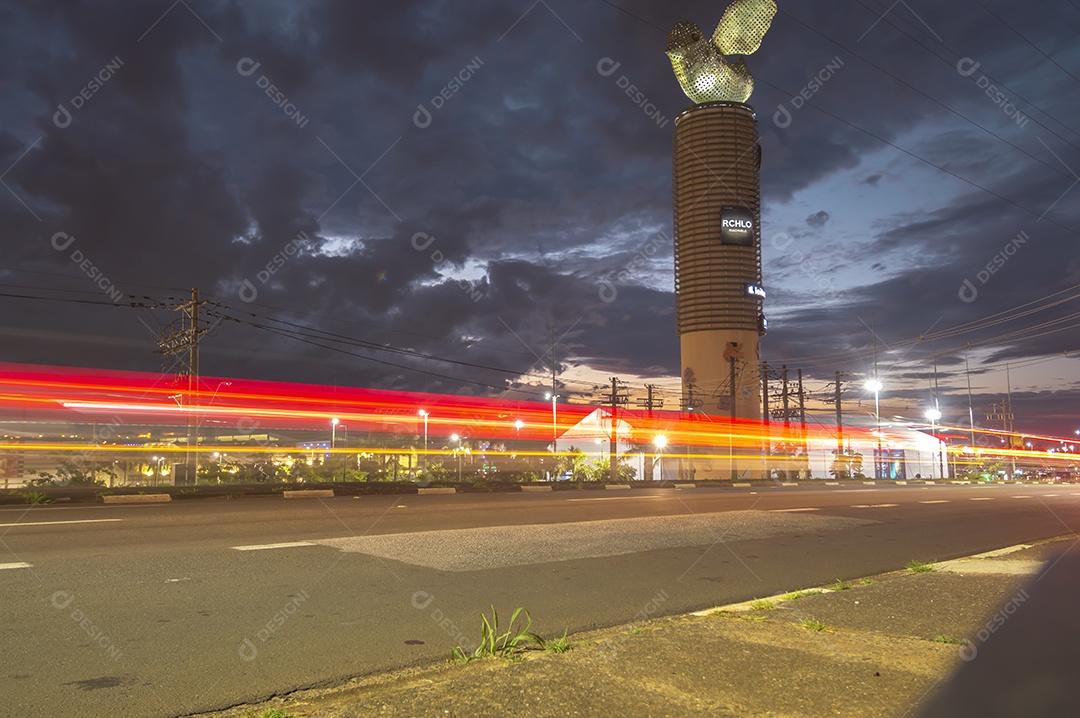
885, 645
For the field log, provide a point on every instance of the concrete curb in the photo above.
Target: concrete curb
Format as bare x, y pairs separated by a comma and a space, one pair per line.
437, 490
310, 494
685, 486
617, 487
532, 489
137, 498
741, 485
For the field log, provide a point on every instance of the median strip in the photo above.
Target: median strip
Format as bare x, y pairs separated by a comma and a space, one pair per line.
136, 498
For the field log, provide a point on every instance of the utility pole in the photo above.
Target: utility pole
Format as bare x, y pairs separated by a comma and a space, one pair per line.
766, 444
650, 403
787, 421
732, 471
181, 348
971, 412
618, 397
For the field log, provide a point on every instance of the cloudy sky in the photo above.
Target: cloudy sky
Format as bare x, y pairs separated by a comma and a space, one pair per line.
464, 181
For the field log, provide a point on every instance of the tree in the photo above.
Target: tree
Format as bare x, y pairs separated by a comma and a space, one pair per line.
571, 462
847, 465
76, 472
600, 470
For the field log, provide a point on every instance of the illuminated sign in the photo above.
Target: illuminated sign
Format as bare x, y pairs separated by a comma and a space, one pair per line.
737, 226
762, 324
754, 290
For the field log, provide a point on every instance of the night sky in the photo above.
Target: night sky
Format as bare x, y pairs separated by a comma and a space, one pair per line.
460, 180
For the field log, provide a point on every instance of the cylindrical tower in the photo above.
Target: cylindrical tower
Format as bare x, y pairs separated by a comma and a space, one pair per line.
718, 288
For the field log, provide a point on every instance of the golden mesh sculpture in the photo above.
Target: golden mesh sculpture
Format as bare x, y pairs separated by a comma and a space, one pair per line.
699, 63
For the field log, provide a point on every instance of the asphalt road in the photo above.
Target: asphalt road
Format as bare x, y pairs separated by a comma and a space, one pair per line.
170, 609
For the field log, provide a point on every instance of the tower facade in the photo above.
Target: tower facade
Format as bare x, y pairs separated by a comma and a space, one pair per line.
718, 286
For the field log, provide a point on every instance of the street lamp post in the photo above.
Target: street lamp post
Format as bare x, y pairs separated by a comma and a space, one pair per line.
425, 416
933, 415
660, 441
333, 437
875, 386
554, 429
455, 437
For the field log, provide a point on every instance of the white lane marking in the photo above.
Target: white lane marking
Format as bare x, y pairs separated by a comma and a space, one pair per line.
618, 498
265, 546
14, 565
982, 498
935, 501
1021, 497
883, 506
791, 511
54, 523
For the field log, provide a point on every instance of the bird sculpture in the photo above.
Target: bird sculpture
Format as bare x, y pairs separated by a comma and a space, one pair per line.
700, 65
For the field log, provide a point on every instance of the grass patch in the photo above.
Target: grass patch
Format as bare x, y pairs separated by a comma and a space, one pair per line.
794, 595
559, 645
761, 604
949, 640
865, 581
920, 567
812, 624
494, 644
36, 497
759, 619
840, 585
274, 713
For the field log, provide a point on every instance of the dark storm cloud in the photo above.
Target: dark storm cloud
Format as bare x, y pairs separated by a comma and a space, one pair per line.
536, 178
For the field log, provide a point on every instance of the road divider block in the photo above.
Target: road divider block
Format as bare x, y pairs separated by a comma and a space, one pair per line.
436, 490
309, 494
742, 485
869, 483
137, 498
685, 485
789, 483
532, 489
616, 487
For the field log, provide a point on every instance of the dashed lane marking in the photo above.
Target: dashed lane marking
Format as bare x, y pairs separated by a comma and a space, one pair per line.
55, 523
791, 511
21, 564
618, 498
981, 498
935, 501
265, 546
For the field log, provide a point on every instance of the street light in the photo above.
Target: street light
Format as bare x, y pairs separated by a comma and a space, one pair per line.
933, 415
875, 386
660, 441
455, 437
333, 435
554, 430
425, 416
